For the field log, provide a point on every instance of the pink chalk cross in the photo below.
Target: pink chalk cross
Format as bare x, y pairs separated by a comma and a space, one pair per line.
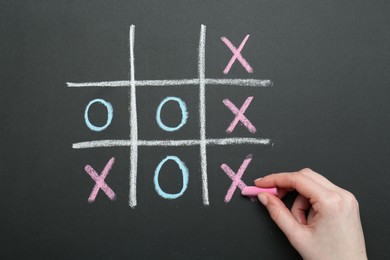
237, 55
236, 178
100, 183
239, 113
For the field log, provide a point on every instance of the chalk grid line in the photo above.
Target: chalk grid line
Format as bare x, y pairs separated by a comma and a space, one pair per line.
202, 113
174, 82
203, 142
133, 125
190, 142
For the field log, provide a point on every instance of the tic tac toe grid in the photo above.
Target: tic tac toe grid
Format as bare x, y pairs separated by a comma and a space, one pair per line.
134, 142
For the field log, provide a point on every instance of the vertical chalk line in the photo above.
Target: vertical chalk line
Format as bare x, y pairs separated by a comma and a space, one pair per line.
133, 125
202, 112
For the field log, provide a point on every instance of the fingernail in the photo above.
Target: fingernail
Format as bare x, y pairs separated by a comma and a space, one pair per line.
263, 199
257, 179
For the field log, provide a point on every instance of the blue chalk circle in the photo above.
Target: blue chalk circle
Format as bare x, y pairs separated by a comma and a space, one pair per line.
109, 115
184, 114
184, 173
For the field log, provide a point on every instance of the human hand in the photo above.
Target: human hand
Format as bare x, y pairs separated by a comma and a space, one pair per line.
324, 221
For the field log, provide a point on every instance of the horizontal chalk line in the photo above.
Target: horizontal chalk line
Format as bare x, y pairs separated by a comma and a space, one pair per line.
178, 82
127, 143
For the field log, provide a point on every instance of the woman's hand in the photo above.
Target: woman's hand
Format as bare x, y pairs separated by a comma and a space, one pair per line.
324, 221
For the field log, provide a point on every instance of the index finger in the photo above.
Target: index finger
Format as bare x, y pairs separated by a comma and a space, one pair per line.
294, 180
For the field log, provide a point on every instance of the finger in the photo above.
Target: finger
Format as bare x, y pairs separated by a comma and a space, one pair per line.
280, 215
299, 209
268, 184
318, 178
297, 181
281, 192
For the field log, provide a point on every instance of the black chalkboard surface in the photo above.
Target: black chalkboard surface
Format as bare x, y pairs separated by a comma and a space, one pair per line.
123, 123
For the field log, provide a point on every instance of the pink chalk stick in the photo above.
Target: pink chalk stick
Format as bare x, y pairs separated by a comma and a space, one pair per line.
254, 191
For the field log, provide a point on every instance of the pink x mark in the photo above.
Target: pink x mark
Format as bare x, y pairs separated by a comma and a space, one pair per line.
239, 113
237, 55
100, 183
236, 178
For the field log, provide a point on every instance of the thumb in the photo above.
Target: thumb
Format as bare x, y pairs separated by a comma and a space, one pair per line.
281, 215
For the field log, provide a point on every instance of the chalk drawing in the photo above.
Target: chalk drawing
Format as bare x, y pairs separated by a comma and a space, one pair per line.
184, 114
239, 113
109, 115
236, 178
99, 180
175, 82
184, 172
202, 112
133, 124
237, 55
189, 142
203, 142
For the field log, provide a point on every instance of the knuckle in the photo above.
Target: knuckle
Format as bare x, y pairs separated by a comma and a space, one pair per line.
306, 171
333, 200
299, 174
275, 213
341, 201
351, 199
295, 179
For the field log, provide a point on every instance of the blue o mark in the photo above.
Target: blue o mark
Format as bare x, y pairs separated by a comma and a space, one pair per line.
109, 115
184, 173
184, 114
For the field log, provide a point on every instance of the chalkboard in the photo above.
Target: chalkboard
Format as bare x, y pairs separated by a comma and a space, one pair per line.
123, 123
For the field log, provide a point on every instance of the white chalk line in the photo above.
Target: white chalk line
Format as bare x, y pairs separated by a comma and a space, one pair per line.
202, 113
167, 143
133, 125
175, 82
